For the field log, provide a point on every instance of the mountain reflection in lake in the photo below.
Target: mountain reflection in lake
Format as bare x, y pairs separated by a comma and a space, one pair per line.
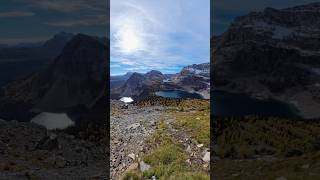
178, 94
225, 104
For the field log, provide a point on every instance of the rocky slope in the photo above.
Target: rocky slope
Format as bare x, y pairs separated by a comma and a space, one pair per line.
272, 54
78, 77
194, 78
140, 132
29, 151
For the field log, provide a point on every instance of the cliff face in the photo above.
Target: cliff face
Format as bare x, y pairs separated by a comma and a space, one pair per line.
272, 54
196, 76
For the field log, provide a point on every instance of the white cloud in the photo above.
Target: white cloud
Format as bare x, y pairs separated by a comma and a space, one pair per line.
15, 14
85, 21
67, 5
17, 40
75, 12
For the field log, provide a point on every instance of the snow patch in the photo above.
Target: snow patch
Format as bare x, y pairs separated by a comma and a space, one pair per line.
53, 120
126, 99
166, 80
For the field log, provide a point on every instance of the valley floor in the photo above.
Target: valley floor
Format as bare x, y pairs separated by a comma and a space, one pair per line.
160, 138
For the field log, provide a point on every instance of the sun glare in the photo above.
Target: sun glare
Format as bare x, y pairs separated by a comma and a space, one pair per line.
129, 41
128, 35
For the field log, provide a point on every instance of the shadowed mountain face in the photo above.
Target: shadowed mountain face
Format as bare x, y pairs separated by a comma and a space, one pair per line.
118, 81
78, 77
139, 85
272, 54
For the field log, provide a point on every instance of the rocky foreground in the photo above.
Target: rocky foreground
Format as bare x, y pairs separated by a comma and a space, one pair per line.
154, 139
29, 151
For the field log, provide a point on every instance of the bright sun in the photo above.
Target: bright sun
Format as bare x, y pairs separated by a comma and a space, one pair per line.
128, 36
129, 41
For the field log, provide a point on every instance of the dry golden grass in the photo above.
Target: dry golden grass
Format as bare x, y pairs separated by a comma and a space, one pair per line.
292, 148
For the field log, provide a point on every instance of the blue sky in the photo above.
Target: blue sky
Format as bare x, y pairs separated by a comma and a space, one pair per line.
38, 20
161, 35
224, 11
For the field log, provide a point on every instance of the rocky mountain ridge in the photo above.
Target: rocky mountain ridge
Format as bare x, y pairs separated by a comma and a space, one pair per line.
272, 54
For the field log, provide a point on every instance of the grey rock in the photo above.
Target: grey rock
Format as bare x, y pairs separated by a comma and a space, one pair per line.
281, 178
206, 157
144, 166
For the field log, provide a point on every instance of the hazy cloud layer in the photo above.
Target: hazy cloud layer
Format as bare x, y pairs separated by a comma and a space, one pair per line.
15, 14
224, 11
67, 5
99, 19
86, 12
44, 18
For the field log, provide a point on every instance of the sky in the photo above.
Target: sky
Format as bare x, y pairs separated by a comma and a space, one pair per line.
161, 35
38, 20
224, 11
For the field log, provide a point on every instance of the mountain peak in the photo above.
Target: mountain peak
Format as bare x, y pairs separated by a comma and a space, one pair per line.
83, 44
58, 41
135, 75
63, 34
153, 72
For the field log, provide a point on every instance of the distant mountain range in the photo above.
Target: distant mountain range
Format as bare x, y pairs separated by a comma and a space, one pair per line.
193, 78
272, 54
25, 58
38, 50
76, 78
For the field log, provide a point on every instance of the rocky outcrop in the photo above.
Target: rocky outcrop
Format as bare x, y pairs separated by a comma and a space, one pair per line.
271, 54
